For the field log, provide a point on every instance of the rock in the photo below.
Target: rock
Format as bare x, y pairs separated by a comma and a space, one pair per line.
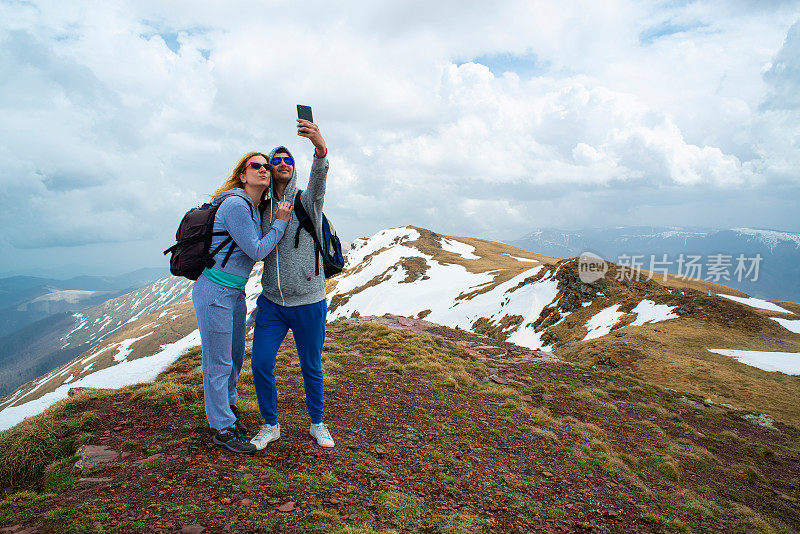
497, 379
195, 528
334, 501
249, 477
380, 451
287, 507
247, 502
273, 501
545, 397
547, 474
71, 392
294, 363
526, 398
760, 420
90, 455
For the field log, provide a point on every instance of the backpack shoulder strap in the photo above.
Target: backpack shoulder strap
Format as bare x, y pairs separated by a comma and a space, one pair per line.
306, 222
227, 240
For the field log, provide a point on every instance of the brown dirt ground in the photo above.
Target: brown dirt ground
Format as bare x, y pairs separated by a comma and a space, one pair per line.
535, 448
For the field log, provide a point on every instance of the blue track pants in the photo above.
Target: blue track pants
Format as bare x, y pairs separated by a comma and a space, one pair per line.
221, 314
308, 326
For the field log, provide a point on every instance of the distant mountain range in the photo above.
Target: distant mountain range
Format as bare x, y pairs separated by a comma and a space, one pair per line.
44, 322
778, 270
27, 299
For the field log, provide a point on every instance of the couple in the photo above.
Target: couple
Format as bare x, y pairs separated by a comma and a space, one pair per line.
255, 210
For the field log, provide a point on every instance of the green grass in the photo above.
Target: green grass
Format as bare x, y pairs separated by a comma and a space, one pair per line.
58, 475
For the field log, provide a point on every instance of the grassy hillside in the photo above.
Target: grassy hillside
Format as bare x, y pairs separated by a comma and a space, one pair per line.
437, 430
673, 354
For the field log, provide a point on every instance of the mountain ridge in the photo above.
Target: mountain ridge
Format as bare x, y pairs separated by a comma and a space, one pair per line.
778, 270
534, 300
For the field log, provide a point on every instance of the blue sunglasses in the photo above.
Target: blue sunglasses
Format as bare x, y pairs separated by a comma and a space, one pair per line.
287, 160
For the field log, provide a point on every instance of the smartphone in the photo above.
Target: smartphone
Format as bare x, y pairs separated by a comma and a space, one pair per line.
304, 112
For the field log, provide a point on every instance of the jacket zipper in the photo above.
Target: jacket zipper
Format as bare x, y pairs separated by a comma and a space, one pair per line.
277, 257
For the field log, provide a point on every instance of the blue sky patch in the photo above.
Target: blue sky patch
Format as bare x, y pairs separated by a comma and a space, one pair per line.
665, 29
525, 66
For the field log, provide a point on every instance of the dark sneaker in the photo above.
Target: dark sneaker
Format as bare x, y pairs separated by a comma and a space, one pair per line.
233, 441
240, 426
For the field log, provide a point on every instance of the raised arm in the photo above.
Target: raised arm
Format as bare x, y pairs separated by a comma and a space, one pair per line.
313, 197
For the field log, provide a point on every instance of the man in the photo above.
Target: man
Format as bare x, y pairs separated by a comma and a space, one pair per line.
293, 293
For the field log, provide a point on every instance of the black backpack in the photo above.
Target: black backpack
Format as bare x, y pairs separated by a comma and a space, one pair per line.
191, 254
330, 249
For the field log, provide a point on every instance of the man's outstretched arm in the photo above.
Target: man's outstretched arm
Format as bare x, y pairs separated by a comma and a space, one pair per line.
314, 196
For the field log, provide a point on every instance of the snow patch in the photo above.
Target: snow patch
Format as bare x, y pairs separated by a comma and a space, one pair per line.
788, 324
756, 303
648, 311
602, 322
124, 347
524, 260
457, 247
782, 362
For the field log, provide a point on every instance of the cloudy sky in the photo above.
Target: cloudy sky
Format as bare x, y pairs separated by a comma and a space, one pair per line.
483, 119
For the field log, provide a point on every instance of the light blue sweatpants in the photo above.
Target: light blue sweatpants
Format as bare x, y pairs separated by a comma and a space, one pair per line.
221, 314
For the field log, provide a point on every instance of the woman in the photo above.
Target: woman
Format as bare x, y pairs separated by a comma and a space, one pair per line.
218, 294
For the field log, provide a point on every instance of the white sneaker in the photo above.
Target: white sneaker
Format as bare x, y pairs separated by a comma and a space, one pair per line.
265, 435
321, 434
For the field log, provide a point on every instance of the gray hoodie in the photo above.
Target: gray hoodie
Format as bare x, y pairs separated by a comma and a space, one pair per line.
289, 278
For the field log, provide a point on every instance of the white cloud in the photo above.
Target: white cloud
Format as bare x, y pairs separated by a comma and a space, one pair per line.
117, 117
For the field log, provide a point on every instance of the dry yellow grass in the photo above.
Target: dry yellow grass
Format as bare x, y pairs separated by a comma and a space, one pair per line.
676, 357
704, 286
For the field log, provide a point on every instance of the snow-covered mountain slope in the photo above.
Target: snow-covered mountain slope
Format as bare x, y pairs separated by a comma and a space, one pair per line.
656, 330
54, 340
149, 323
771, 238
478, 285
96, 323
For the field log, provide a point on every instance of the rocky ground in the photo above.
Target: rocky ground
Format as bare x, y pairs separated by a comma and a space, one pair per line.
437, 430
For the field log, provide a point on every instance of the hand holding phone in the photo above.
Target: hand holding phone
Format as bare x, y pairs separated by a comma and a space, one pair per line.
307, 128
